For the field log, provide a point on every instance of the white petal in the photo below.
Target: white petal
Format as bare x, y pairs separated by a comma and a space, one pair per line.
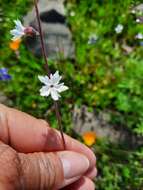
54, 94
55, 79
139, 36
119, 28
51, 76
56, 74
44, 91
45, 80
62, 88
16, 32
19, 25
17, 22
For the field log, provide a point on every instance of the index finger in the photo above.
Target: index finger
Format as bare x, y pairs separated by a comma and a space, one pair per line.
27, 134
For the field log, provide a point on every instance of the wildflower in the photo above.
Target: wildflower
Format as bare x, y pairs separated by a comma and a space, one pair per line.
14, 45
72, 13
139, 36
138, 20
119, 28
133, 11
19, 31
92, 39
89, 138
52, 86
4, 74
141, 43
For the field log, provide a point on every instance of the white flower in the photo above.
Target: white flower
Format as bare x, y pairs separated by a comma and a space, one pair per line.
92, 39
133, 11
139, 36
119, 28
52, 86
18, 31
72, 13
138, 20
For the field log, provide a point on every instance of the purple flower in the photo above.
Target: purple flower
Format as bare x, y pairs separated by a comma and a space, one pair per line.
4, 74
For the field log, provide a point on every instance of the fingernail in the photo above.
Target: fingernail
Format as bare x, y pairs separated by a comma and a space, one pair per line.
74, 164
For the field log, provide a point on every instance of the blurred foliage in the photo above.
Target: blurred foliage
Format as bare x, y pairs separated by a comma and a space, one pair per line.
106, 74
118, 168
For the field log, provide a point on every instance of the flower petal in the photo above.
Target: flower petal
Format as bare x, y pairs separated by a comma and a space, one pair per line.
55, 78
16, 32
56, 74
45, 80
3, 71
54, 94
62, 88
19, 25
44, 91
89, 138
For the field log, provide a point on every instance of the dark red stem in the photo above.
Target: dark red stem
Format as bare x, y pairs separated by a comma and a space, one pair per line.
41, 38
48, 71
59, 123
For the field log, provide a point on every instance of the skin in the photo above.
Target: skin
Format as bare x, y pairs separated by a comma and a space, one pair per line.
32, 156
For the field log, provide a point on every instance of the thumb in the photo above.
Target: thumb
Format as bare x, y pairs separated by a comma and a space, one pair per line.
51, 170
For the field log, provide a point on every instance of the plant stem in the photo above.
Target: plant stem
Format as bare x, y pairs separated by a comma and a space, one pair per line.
42, 38
59, 122
48, 71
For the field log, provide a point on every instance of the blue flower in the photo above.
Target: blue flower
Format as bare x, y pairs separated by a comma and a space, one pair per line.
141, 43
4, 74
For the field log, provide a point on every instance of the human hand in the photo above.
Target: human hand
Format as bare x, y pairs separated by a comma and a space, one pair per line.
32, 156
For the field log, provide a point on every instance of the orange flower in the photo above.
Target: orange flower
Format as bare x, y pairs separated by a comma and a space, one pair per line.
14, 45
89, 138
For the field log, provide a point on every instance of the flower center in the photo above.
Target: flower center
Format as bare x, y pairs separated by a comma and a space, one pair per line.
51, 85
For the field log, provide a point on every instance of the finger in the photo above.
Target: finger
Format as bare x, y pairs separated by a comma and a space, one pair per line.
83, 183
92, 173
52, 170
39, 170
27, 134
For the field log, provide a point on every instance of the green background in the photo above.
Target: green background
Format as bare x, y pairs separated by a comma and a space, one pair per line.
102, 76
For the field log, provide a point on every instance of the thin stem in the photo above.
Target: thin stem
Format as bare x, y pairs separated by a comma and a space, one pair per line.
41, 38
48, 71
59, 122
